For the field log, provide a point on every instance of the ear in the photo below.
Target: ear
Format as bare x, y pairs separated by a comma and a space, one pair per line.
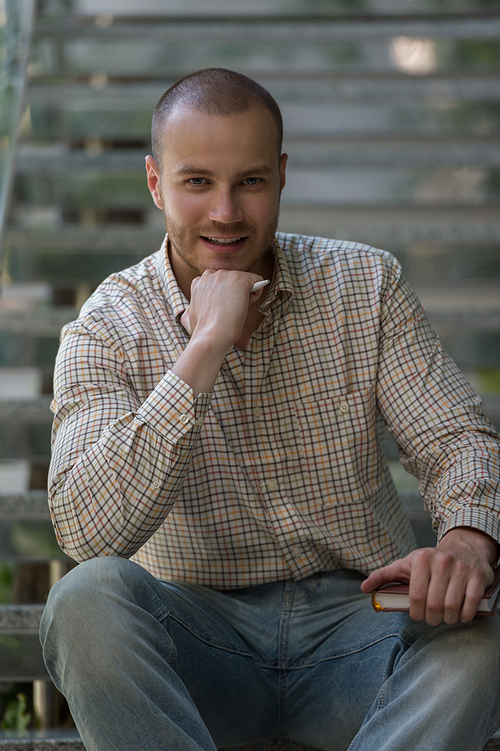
283, 161
153, 174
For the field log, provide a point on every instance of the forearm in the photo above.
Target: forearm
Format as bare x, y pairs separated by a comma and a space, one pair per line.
200, 363
109, 495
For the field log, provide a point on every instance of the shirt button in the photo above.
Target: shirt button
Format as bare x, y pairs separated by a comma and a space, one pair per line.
257, 411
156, 484
272, 485
344, 408
184, 419
199, 422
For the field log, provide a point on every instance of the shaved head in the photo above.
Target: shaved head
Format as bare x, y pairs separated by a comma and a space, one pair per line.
217, 92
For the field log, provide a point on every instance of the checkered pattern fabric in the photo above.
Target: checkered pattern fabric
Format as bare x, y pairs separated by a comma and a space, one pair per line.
280, 472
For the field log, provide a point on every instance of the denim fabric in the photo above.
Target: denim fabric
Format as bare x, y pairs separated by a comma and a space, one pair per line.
165, 666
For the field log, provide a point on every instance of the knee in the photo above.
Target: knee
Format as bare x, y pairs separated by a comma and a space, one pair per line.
83, 600
469, 654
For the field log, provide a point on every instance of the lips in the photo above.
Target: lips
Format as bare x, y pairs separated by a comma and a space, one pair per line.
224, 244
223, 240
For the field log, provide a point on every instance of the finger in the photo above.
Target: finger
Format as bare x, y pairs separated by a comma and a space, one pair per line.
431, 574
195, 283
185, 322
431, 598
455, 593
397, 571
419, 585
473, 595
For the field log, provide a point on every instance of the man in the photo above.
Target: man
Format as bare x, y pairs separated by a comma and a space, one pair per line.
227, 440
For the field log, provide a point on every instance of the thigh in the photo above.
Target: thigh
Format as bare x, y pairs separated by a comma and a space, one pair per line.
330, 693
112, 627
234, 686
373, 671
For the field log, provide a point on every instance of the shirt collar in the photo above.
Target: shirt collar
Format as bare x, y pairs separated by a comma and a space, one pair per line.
280, 291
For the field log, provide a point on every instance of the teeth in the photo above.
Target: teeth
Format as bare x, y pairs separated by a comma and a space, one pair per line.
223, 241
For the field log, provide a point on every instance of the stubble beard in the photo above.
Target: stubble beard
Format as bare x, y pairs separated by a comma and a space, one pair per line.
177, 236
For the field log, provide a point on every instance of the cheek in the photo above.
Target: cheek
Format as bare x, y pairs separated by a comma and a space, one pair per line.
184, 210
267, 209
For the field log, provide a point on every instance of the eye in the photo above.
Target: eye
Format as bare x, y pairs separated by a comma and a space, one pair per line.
196, 180
252, 181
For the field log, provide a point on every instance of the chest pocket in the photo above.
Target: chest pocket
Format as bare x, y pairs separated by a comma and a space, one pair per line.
339, 443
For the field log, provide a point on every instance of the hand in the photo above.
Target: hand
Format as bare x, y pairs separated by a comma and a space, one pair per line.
215, 318
447, 583
219, 304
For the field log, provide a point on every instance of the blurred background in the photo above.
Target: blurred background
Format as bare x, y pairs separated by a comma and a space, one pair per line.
392, 126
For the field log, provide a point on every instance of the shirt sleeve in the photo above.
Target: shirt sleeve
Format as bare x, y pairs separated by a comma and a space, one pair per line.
118, 462
444, 438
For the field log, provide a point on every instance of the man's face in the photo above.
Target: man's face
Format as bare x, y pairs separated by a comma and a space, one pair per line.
219, 189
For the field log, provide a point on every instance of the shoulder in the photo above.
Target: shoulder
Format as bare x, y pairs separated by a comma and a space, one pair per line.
337, 259
121, 302
124, 286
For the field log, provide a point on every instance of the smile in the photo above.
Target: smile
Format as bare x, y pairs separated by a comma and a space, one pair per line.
223, 240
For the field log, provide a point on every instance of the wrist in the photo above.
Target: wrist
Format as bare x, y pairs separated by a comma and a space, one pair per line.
480, 541
200, 363
209, 344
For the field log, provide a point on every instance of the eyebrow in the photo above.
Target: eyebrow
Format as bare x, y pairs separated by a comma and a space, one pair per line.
190, 169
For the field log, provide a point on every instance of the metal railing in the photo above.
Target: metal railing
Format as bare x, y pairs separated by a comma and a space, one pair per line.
16, 26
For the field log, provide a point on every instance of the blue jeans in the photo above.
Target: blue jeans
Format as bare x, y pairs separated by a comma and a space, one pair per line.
164, 666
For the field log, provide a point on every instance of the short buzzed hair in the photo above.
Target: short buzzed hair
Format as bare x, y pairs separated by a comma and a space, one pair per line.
213, 91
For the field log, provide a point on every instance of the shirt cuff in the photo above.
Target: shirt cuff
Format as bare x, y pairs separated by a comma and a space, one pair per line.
171, 409
475, 518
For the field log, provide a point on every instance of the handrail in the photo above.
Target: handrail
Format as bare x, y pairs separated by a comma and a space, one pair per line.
17, 19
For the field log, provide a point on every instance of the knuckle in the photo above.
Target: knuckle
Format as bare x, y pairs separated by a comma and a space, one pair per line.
434, 607
422, 555
453, 604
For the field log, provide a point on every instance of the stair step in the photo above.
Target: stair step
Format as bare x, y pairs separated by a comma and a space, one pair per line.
26, 410
60, 743
375, 186
29, 505
306, 88
20, 617
394, 224
274, 29
320, 153
40, 744
173, 47
374, 225
36, 321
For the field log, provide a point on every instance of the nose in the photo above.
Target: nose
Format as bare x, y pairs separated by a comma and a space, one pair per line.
225, 208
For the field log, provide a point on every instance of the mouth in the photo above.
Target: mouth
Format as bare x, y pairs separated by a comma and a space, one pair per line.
223, 240
224, 244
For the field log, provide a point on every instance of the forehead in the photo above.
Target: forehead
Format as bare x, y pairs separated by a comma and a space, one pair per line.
191, 136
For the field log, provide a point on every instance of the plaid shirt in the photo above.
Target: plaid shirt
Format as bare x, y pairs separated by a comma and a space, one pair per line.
280, 472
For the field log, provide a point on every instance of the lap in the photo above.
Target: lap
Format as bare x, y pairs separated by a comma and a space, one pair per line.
304, 660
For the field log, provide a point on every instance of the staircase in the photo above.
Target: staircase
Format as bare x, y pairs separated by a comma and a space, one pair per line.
392, 126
